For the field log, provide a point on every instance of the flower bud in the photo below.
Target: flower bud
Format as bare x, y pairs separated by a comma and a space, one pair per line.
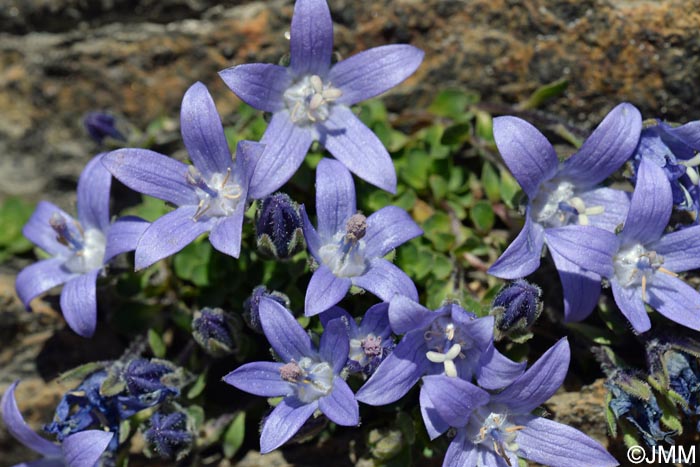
251, 306
169, 436
215, 331
278, 227
100, 126
516, 307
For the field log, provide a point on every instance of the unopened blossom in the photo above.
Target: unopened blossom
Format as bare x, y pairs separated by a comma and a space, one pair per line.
494, 430
211, 195
308, 378
310, 100
566, 193
350, 247
79, 248
169, 436
81, 449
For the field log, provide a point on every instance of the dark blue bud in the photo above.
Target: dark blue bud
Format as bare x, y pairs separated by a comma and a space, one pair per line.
215, 331
251, 306
169, 436
145, 376
278, 227
517, 306
100, 126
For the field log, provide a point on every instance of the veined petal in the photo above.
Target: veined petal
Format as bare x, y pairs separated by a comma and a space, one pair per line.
203, 133
40, 277
335, 312
19, 429
260, 85
629, 301
527, 153
225, 236
286, 336
397, 374
357, 147
374, 71
651, 205
615, 204
522, 257
480, 330
123, 235
286, 145
152, 174
675, 299
83, 449
610, 145
79, 303
324, 291
168, 235
406, 315
334, 347
588, 247
247, 155
496, 371
335, 197
453, 398
386, 280
376, 321
551, 443
539, 382
680, 249
283, 423
39, 231
93, 195
388, 228
434, 424
340, 405
688, 133
462, 452
581, 288
311, 41
260, 378
313, 241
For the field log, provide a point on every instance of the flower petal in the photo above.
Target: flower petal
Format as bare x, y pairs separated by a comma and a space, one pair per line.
79, 303
453, 398
93, 195
608, 147
386, 280
675, 299
284, 422
340, 405
19, 429
123, 235
406, 315
587, 247
651, 205
286, 145
527, 153
260, 85
168, 235
496, 371
432, 420
203, 133
83, 449
397, 374
539, 382
388, 228
335, 197
225, 236
551, 443
260, 378
152, 174
522, 257
374, 71
376, 321
40, 277
311, 41
39, 231
462, 452
334, 347
357, 147
286, 336
629, 301
336, 312
324, 291
615, 205
680, 249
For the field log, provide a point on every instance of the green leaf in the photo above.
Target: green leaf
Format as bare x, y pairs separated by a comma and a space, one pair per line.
196, 415
155, 342
482, 216
509, 189
198, 386
610, 415
544, 93
150, 209
234, 436
438, 186
416, 167
484, 126
14, 213
490, 182
456, 135
453, 103
192, 263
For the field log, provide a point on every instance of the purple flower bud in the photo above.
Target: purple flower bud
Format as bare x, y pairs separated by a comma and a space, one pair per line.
251, 306
517, 306
215, 331
169, 436
101, 125
278, 227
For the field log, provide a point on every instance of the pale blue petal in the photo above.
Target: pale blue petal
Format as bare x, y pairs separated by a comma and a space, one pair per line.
651, 205
41, 277
123, 236
93, 195
680, 250
588, 247
496, 371
335, 197
311, 41
313, 241
461, 453
38, 230
522, 257
284, 422
324, 291
334, 347
285, 334
388, 228
226, 233
260, 85
260, 378
615, 203
675, 299
629, 301
406, 315
386, 280
453, 398
79, 303
434, 424
340, 405
83, 449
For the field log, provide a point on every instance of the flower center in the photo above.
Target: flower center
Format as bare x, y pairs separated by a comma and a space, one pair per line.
87, 246
344, 255
635, 265
309, 99
446, 344
555, 205
494, 429
219, 196
311, 379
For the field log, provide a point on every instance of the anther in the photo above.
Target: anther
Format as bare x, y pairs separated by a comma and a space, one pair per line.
356, 227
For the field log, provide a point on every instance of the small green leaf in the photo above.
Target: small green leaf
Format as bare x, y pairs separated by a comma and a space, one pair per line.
456, 135
234, 436
484, 126
192, 263
155, 342
438, 186
198, 386
453, 103
544, 93
150, 209
491, 183
482, 216
509, 189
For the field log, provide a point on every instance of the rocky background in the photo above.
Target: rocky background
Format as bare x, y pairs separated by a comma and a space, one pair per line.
60, 59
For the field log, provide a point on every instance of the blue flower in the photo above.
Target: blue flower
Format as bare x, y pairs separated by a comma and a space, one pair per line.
349, 247
567, 193
311, 100
210, 196
308, 378
214, 330
82, 449
517, 306
80, 248
278, 227
100, 126
169, 435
